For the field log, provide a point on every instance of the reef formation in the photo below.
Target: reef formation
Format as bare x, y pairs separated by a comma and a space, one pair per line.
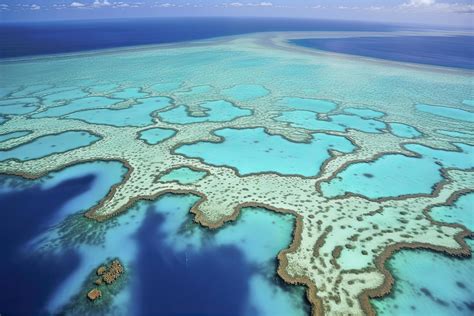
107, 276
342, 237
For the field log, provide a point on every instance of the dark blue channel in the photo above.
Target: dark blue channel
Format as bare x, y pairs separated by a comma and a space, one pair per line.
447, 51
27, 279
213, 281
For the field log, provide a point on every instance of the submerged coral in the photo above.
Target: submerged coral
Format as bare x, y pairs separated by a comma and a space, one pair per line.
342, 240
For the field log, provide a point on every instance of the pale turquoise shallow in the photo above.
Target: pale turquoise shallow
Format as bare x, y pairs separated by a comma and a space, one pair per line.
393, 175
452, 113
216, 111
245, 92
253, 151
56, 95
49, 144
156, 135
404, 130
130, 93
340, 122
455, 134
101, 88
306, 104
18, 106
80, 104
136, 115
364, 112
31, 89
165, 87
183, 175
461, 212
428, 283
8, 136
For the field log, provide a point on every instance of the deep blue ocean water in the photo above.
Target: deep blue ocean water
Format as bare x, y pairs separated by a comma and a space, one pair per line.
26, 39
216, 283
28, 280
448, 51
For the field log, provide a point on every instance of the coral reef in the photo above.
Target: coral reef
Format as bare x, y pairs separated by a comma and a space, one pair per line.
340, 242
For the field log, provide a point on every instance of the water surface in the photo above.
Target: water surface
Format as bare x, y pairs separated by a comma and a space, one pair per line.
448, 51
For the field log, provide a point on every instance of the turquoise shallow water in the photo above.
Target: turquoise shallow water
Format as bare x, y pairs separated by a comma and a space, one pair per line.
8, 136
130, 93
31, 89
452, 113
48, 145
245, 92
461, 159
20, 101
78, 105
136, 115
156, 135
455, 134
358, 123
428, 283
253, 151
468, 102
394, 174
314, 105
364, 112
216, 111
16, 109
183, 175
308, 120
404, 130
18, 106
103, 88
165, 87
197, 90
461, 212
54, 96
340, 122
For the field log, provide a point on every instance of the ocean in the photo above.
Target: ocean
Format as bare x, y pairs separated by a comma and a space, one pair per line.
39, 38
303, 132
447, 51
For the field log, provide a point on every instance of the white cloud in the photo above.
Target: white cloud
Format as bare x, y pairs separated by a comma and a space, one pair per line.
375, 8
468, 8
77, 5
164, 5
247, 4
419, 3
411, 6
441, 7
98, 3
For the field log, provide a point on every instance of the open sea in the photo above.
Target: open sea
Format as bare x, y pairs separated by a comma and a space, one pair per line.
447, 51
26, 39
174, 266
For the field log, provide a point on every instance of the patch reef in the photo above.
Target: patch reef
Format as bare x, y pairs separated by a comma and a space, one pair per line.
340, 244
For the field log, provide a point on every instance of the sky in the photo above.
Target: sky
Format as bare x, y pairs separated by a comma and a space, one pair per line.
428, 12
